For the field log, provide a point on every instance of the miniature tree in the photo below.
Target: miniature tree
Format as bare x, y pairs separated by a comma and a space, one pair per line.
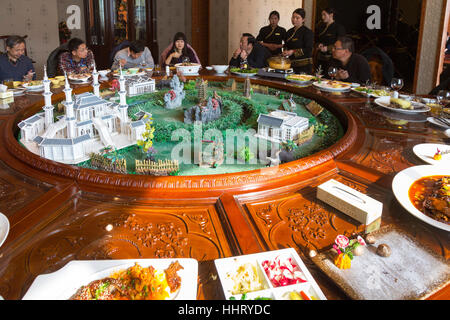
289, 145
147, 143
246, 154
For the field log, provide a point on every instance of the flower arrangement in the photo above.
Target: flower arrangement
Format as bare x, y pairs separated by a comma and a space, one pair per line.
64, 33
345, 248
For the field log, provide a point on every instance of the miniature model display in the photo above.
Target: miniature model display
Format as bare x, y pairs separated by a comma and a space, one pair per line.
192, 128
88, 125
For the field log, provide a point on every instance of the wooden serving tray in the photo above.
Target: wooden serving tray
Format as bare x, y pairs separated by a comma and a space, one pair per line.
412, 271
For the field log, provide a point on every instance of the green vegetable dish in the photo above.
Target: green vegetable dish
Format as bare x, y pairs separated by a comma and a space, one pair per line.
239, 70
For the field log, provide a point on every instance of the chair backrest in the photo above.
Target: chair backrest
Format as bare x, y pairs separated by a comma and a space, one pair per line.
124, 44
53, 59
381, 65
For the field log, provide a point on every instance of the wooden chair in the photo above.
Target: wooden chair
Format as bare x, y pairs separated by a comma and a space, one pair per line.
3, 39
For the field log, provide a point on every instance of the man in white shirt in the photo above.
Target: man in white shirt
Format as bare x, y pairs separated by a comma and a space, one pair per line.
137, 55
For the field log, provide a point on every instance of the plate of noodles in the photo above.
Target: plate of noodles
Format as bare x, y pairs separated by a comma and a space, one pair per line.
132, 279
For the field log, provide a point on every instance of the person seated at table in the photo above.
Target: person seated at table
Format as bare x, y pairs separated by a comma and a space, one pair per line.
78, 60
329, 31
136, 55
352, 67
250, 51
299, 43
444, 82
272, 36
14, 65
180, 52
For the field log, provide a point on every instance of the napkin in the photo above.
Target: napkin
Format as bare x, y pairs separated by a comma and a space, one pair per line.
3, 88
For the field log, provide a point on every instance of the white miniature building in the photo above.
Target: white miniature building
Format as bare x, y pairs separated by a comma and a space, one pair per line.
281, 126
90, 124
140, 85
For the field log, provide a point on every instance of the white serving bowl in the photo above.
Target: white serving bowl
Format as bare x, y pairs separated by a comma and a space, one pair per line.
190, 69
104, 73
220, 68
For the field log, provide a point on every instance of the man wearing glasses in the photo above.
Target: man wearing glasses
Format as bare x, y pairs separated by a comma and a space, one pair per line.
78, 60
14, 65
352, 67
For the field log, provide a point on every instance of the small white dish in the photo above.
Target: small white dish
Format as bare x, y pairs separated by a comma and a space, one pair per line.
4, 228
220, 68
209, 68
104, 73
426, 152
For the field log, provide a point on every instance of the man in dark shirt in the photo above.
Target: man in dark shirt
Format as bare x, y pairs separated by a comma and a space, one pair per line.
14, 65
352, 67
250, 50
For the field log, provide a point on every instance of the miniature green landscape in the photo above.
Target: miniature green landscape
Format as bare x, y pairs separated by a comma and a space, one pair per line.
239, 113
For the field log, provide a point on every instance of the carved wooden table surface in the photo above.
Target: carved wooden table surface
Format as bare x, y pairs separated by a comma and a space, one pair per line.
60, 213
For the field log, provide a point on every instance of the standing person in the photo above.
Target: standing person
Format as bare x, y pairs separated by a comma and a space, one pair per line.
272, 36
180, 51
352, 67
299, 43
135, 56
252, 52
78, 60
328, 33
14, 65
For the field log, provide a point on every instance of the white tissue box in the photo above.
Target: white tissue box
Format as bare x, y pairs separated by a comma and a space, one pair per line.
6, 94
351, 202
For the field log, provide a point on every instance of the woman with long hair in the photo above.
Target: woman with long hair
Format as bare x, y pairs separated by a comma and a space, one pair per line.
299, 43
180, 51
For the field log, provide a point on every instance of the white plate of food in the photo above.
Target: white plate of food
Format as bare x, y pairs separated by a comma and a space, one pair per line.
127, 73
83, 77
84, 279
418, 189
4, 228
332, 86
36, 85
300, 78
368, 92
244, 73
274, 275
401, 105
433, 153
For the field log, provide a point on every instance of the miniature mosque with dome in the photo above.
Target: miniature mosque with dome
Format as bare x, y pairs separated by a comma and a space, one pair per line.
89, 124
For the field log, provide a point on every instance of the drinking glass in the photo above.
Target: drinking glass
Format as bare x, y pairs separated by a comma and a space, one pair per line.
396, 85
443, 97
332, 72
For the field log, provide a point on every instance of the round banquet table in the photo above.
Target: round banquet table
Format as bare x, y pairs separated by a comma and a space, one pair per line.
59, 212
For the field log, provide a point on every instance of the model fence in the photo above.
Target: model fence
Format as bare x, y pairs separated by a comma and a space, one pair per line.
157, 168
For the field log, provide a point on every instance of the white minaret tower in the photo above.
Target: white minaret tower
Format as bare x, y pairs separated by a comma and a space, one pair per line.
96, 84
48, 107
123, 108
70, 117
